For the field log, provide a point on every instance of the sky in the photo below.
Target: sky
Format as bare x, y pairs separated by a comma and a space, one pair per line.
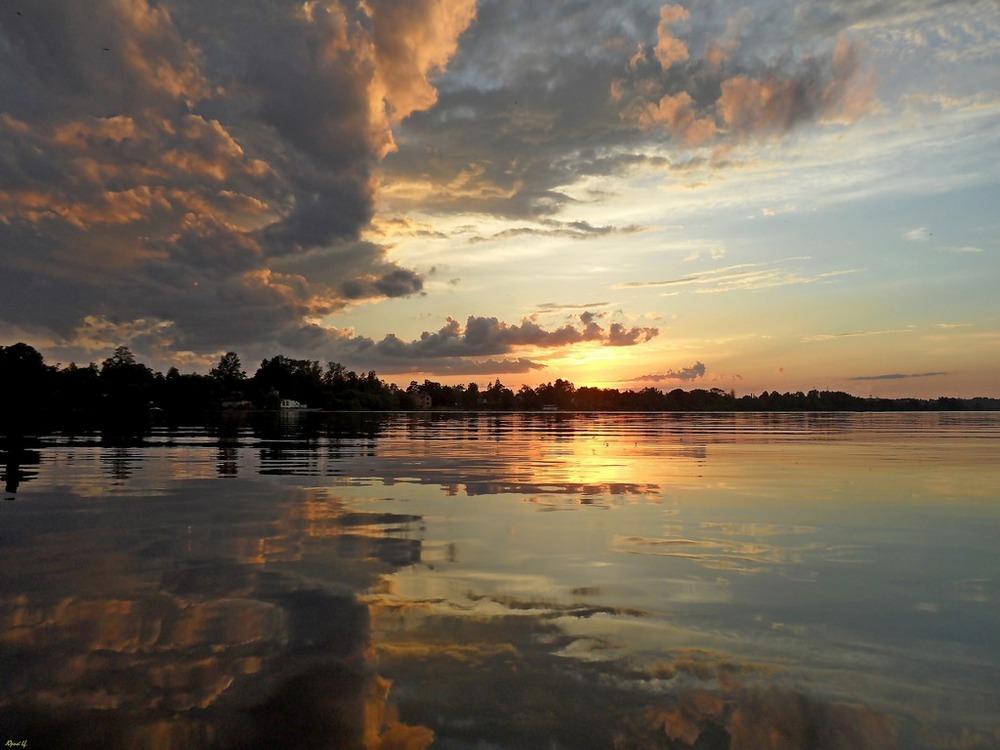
769, 195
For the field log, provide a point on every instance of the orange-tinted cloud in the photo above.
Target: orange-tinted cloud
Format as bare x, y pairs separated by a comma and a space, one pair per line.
748, 104
191, 148
669, 49
679, 114
775, 101
412, 41
723, 95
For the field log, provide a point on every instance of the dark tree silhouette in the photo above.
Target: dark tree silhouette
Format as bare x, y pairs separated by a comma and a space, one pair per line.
25, 384
122, 393
229, 373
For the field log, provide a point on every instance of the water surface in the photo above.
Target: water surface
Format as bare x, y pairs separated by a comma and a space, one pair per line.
472, 580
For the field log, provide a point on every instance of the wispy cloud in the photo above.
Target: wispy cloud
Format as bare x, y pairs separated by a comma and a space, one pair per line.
918, 234
574, 230
899, 376
558, 307
856, 334
742, 277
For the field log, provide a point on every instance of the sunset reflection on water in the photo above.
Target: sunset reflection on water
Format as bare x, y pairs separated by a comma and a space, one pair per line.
479, 580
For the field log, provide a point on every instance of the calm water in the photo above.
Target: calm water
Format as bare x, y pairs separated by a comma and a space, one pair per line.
512, 581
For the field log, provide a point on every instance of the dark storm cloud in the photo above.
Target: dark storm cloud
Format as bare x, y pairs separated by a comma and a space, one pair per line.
159, 161
397, 283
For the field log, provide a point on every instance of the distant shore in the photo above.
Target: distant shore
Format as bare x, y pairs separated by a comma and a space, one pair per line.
124, 394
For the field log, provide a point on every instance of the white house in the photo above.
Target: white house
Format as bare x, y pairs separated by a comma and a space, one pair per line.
291, 403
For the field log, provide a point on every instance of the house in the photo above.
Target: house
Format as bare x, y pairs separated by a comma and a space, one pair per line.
291, 403
422, 400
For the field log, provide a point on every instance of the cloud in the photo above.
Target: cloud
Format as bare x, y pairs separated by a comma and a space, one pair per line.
479, 346
899, 376
458, 366
620, 335
695, 371
189, 162
413, 40
918, 234
741, 84
678, 113
530, 107
575, 230
741, 277
400, 226
487, 336
557, 307
856, 334
669, 49
774, 101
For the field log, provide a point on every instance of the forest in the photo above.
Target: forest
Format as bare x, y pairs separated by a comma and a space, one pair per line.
38, 396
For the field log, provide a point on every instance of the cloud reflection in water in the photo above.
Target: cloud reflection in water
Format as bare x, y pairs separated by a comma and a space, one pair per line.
712, 584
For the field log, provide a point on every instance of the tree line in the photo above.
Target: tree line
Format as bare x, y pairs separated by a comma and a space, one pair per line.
36, 394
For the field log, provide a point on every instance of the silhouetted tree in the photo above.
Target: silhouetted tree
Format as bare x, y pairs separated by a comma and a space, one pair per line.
229, 373
299, 379
189, 396
470, 397
34, 395
559, 394
498, 396
527, 399
24, 386
128, 387
78, 395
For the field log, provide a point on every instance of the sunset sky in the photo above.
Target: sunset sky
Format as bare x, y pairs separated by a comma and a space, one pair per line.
760, 195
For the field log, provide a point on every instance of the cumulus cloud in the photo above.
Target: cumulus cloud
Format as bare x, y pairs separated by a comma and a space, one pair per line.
669, 49
173, 161
484, 336
680, 116
482, 345
695, 371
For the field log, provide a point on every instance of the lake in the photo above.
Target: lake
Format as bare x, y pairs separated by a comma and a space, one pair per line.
521, 580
